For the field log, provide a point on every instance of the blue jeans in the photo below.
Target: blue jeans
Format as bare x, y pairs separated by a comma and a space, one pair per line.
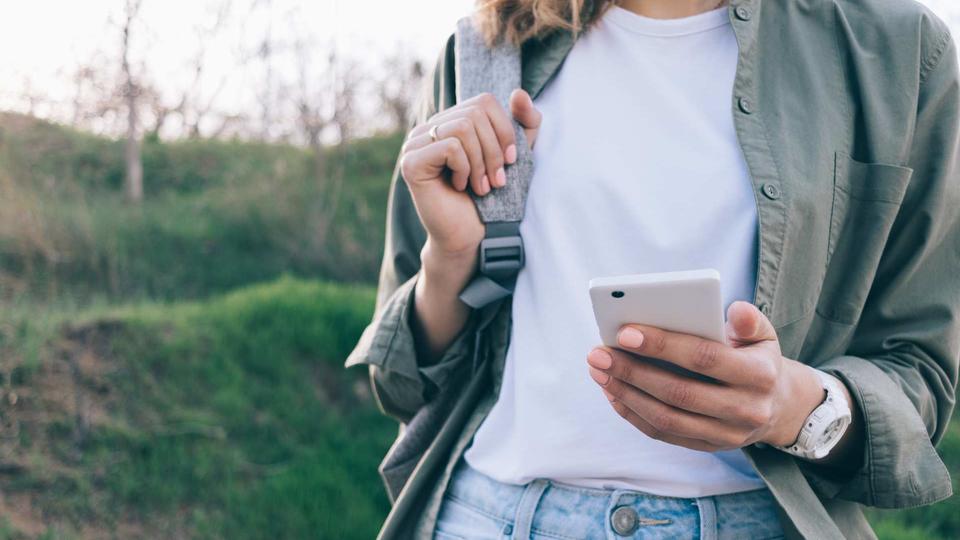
477, 507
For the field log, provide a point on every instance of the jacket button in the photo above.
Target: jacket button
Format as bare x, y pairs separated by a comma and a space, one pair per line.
624, 521
743, 13
771, 191
765, 309
745, 105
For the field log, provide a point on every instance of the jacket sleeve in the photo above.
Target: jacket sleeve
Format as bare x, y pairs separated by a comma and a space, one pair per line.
401, 383
901, 366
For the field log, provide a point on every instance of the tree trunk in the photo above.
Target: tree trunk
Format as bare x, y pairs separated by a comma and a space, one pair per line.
132, 157
134, 164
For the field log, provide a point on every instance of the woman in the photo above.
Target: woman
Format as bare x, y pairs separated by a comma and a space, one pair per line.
807, 150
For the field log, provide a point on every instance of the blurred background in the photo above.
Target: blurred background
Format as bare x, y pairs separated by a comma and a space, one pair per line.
192, 198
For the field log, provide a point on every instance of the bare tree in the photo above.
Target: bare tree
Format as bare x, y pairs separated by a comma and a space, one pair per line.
266, 54
189, 103
84, 80
399, 87
193, 106
30, 97
325, 97
132, 156
347, 78
312, 104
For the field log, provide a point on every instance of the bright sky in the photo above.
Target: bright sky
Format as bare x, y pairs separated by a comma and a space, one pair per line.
44, 40
41, 35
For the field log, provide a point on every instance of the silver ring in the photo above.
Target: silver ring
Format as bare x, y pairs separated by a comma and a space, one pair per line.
433, 133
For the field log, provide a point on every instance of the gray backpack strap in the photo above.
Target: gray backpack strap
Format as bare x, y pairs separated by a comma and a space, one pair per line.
480, 69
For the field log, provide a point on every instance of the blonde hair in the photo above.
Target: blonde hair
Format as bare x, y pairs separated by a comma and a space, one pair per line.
520, 20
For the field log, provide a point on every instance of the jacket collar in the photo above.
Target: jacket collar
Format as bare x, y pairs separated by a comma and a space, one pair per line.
541, 59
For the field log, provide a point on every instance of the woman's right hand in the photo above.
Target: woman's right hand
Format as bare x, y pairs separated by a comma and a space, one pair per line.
474, 140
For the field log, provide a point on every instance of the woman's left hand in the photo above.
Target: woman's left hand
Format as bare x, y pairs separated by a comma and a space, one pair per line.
758, 395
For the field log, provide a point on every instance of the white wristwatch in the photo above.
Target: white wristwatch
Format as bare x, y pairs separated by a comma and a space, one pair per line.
826, 425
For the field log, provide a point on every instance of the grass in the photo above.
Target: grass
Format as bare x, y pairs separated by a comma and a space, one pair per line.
231, 418
258, 210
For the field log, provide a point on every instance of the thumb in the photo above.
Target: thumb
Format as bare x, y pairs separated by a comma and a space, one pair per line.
522, 108
746, 325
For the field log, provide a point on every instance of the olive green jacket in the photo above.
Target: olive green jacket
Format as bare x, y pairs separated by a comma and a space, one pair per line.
847, 114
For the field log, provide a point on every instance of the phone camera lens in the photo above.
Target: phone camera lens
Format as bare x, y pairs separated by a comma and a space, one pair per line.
617, 294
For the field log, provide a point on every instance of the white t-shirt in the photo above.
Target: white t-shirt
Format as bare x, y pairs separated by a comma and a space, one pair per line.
638, 170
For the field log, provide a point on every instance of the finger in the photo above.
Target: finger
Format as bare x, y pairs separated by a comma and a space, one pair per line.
493, 154
500, 121
489, 105
458, 125
490, 150
419, 129
523, 109
714, 400
638, 422
463, 129
433, 160
747, 325
666, 421
644, 426
456, 161
699, 355
415, 142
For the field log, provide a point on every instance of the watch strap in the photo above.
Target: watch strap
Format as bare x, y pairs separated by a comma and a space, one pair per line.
825, 426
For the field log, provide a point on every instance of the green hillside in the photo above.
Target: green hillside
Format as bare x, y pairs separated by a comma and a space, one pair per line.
230, 418
217, 215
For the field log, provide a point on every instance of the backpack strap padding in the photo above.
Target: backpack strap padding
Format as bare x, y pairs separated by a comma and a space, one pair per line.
496, 69
480, 68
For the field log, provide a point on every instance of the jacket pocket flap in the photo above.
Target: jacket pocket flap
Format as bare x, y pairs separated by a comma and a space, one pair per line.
871, 181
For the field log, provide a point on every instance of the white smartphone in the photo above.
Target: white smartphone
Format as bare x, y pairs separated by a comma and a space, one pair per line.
687, 302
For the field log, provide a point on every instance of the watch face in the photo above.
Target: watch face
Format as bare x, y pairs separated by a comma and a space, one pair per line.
832, 429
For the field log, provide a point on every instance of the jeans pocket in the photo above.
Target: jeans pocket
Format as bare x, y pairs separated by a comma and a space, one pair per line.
460, 521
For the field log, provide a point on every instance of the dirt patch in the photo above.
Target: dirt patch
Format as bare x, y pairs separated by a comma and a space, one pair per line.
46, 416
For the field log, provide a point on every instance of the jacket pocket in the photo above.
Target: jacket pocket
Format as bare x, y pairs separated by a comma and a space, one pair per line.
866, 201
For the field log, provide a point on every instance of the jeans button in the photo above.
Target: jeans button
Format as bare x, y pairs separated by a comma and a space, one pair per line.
624, 520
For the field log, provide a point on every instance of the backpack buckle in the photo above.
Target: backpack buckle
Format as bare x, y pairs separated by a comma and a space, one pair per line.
501, 256
500, 259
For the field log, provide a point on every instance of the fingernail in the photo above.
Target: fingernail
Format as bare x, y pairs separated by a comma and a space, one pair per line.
630, 337
501, 177
610, 397
600, 359
511, 154
484, 181
600, 377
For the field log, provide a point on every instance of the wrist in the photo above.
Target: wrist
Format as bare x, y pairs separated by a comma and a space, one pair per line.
446, 271
439, 313
827, 427
805, 393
